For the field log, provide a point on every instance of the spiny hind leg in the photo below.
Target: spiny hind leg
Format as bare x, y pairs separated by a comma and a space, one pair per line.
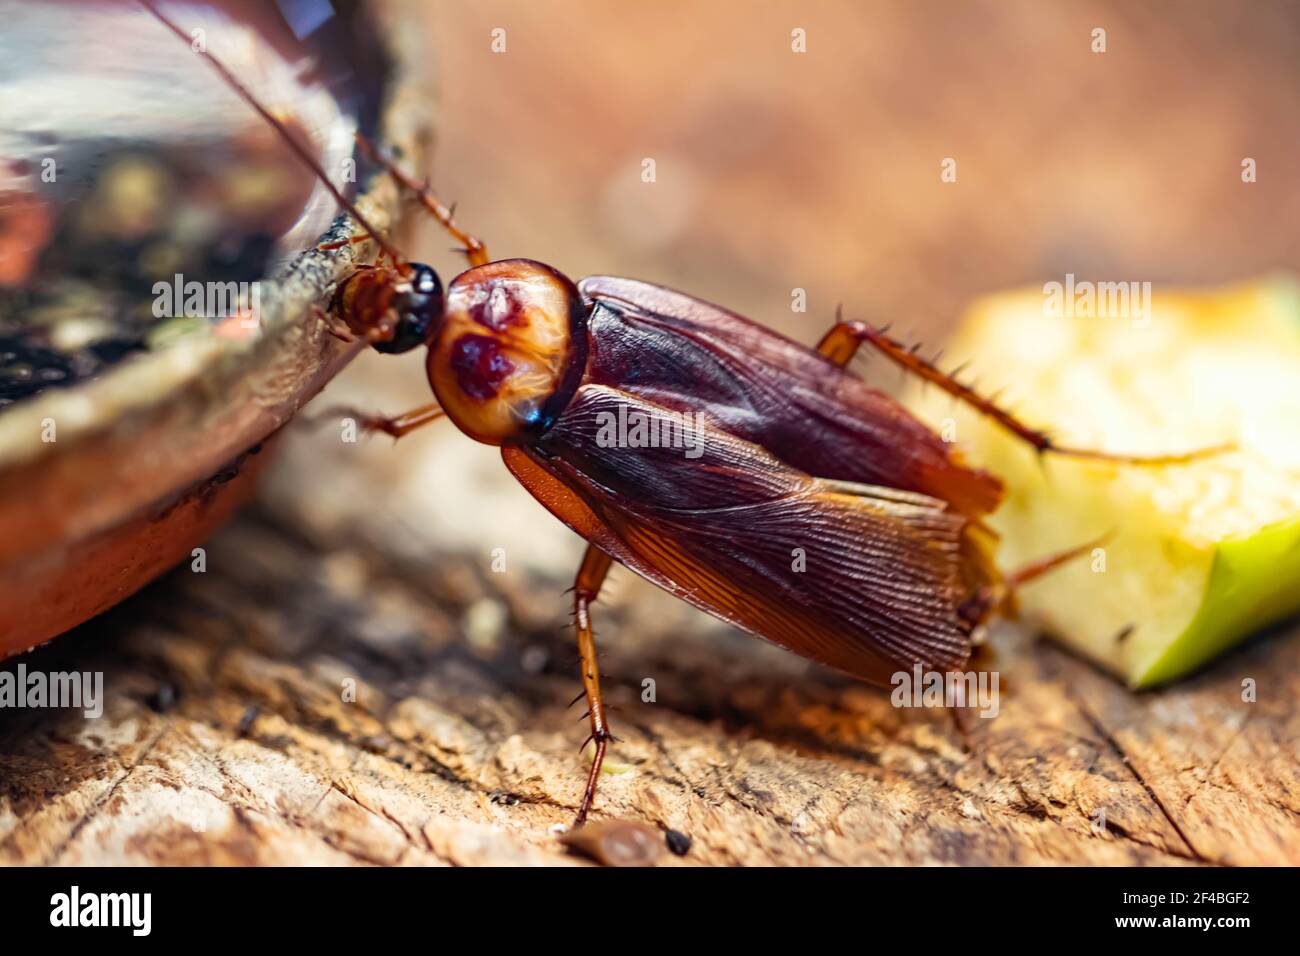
842, 342
474, 248
591, 575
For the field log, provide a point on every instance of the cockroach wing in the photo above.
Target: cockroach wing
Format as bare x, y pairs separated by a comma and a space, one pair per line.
680, 352
869, 580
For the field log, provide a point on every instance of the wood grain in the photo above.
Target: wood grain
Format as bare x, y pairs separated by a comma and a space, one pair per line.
226, 738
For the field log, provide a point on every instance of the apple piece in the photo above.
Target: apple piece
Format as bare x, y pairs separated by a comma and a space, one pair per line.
1196, 556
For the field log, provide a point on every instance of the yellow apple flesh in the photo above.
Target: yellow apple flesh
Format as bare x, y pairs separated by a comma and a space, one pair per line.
1197, 556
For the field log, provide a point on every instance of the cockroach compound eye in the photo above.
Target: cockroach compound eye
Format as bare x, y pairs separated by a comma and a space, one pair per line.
417, 306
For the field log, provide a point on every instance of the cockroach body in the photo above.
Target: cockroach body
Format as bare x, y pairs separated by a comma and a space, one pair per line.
747, 474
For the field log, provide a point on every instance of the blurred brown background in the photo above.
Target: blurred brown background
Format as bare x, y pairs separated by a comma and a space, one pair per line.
778, 170
822, 169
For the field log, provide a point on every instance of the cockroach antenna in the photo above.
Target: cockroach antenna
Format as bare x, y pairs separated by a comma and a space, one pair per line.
393, 305
234, 83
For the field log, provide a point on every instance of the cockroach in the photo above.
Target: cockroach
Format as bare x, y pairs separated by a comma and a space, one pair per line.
789, 452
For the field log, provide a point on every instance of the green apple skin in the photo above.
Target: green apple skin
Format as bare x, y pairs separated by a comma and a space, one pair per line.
1254, 581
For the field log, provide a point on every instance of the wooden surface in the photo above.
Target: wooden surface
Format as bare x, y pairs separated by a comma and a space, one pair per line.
226, 737
775, 172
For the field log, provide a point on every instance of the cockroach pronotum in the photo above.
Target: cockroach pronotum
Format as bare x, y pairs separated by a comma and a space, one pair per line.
790, 452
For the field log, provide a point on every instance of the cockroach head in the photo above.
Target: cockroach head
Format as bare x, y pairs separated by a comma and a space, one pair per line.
509, 350
417, 307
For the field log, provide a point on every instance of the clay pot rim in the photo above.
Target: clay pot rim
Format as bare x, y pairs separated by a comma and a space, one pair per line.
155, 425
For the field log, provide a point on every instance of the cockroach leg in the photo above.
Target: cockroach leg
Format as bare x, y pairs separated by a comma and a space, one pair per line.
1036, 569
475, 250
396, 425
1002, 595
842, 342
353, 241
961, 722
332, 325
382, 260
591, 575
